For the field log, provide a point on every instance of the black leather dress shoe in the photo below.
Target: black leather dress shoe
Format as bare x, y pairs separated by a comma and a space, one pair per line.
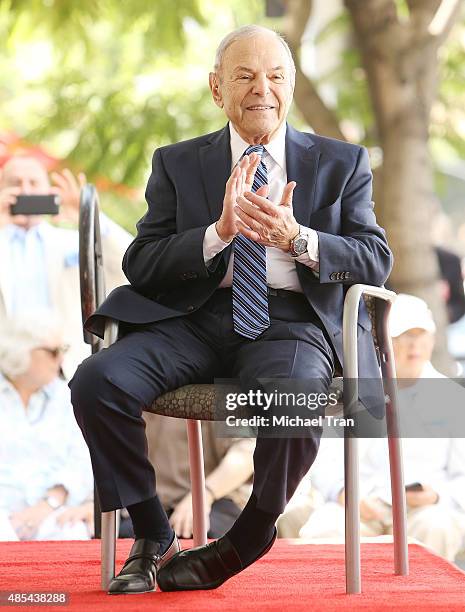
139, 573
204, 567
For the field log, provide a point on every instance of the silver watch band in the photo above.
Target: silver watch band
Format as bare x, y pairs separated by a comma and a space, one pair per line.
301, 236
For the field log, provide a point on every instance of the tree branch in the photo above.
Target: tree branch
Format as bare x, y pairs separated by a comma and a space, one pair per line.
444, 18
434, 18
295, 21
376, 21
315, 112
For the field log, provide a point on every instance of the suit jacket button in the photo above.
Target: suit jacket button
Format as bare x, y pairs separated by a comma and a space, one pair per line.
347, 275
182, 276
194, 275
333, 276
190, 308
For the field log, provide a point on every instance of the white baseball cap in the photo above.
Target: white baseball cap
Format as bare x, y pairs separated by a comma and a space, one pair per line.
410, 312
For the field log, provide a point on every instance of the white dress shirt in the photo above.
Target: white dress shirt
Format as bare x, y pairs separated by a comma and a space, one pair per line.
28, 271
280, 266
40, 447
28, 277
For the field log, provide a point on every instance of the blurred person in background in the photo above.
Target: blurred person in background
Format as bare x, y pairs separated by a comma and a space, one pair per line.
301, 505
452, 289
45, 470
444, 236
434, 468
39, 261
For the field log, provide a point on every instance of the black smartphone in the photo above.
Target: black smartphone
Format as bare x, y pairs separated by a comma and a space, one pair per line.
414, 486
36, 205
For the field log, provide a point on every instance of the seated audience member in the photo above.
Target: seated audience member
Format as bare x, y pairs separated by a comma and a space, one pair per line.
433, 467
444, 235
228, 470
304, 501
76, 514
45, 471
39, 261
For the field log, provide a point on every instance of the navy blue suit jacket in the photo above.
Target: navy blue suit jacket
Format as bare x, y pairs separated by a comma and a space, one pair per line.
185, 192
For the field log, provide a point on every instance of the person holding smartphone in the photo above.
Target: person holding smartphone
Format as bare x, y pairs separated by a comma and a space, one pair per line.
39, 261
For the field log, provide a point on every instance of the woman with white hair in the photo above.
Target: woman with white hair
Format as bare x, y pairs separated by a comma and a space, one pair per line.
45, 471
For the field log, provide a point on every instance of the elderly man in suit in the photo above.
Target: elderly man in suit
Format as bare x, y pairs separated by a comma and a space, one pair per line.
39, 261
238, 269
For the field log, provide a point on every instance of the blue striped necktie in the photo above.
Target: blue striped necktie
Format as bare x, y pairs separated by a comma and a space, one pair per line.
249, 292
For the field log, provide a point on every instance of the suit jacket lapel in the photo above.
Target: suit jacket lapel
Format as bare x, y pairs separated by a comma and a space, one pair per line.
302, 158
215, 162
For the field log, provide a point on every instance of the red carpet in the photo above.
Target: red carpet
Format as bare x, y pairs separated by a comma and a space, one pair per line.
292, 577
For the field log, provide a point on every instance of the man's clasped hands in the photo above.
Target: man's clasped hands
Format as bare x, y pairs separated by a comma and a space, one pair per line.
252, 214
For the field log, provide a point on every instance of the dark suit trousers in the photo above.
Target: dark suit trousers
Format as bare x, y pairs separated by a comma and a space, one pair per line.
111, 389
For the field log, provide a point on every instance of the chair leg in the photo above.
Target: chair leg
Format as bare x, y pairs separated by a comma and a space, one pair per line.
399, 511
351, 472
352, 516
399, 506
196, 466
108, 547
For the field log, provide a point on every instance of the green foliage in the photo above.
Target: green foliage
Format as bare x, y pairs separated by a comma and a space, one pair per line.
348, 80
339, 26
102, 84
160, 24
449, 111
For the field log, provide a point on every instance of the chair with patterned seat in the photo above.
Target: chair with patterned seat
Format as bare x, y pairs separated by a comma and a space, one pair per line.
195, 403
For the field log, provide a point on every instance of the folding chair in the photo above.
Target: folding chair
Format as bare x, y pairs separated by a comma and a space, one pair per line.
197, 402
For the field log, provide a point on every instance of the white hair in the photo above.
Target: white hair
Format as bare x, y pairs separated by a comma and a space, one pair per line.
22, 333
248, 31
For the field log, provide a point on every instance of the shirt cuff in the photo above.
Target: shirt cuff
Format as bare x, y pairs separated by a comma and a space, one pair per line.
212, 244
311, 257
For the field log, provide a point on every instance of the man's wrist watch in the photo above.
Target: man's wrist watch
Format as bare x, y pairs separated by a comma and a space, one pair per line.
299, 244
53, 502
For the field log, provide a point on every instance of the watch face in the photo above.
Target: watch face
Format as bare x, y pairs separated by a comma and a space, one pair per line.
300, 246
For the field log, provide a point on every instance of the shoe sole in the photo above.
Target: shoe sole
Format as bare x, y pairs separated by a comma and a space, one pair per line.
131, 592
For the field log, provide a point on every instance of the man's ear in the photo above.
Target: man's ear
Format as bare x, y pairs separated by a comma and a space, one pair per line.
214, 83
